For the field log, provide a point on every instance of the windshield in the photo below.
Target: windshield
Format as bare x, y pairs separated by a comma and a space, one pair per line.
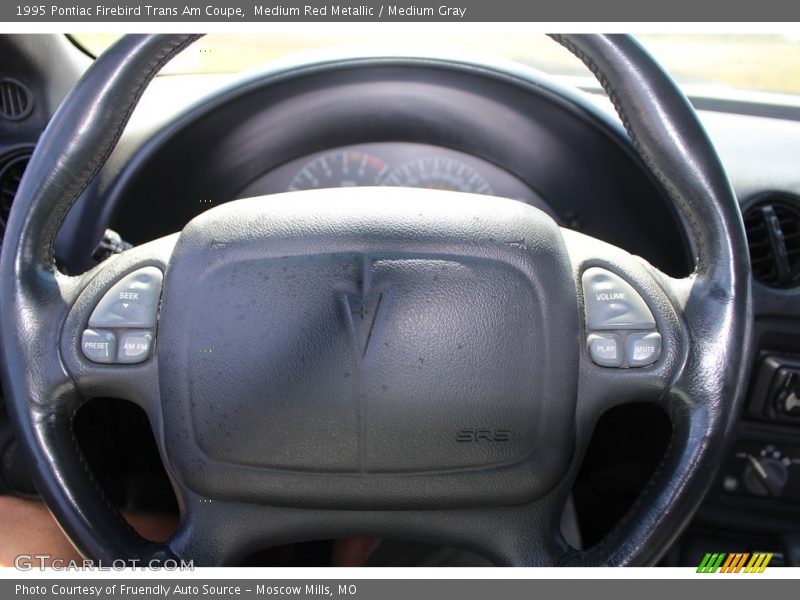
708, 63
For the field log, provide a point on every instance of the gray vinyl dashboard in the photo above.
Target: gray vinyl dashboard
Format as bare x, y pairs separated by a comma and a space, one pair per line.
198, 140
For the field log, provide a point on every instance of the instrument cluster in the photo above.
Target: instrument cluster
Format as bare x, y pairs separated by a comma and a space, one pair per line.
399, 164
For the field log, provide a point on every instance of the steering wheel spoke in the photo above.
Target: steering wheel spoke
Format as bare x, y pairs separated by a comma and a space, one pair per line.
220, 532
211, 533
529, 534
109, 338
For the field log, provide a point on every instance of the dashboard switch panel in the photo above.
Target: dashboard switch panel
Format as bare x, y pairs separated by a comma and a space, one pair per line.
775, 395
786, 396
131, 302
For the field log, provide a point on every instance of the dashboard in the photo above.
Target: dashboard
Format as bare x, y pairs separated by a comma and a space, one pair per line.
198, 141
399, 122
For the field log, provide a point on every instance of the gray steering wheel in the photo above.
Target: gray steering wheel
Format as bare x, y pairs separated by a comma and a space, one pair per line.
394, 363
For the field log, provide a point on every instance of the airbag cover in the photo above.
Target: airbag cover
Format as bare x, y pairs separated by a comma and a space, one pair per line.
366, 338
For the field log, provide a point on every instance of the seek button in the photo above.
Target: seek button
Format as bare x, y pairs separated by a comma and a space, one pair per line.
131, 302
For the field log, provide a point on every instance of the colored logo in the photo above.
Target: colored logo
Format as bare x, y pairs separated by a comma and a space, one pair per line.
737, 562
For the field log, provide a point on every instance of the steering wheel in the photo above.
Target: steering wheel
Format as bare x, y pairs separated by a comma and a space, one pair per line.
396, 363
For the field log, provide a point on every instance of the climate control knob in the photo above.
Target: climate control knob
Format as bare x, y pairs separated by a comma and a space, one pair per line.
765, 476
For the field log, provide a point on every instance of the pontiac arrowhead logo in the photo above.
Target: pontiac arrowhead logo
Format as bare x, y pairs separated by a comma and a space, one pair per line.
363, 314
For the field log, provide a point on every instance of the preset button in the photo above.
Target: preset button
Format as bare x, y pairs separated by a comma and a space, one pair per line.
99, 346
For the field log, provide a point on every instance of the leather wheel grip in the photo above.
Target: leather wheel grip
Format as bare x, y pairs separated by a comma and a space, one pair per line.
714, 303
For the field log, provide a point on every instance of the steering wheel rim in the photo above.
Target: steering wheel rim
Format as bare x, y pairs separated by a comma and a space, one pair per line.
704, 318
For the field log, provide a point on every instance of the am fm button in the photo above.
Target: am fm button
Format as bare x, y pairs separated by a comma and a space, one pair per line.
134, 346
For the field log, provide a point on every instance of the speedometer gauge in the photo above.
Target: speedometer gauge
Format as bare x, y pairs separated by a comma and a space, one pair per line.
344, 168
441, 173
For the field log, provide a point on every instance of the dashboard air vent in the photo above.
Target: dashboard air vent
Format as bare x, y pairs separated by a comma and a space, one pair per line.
12, 166
773, 235
16, 101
